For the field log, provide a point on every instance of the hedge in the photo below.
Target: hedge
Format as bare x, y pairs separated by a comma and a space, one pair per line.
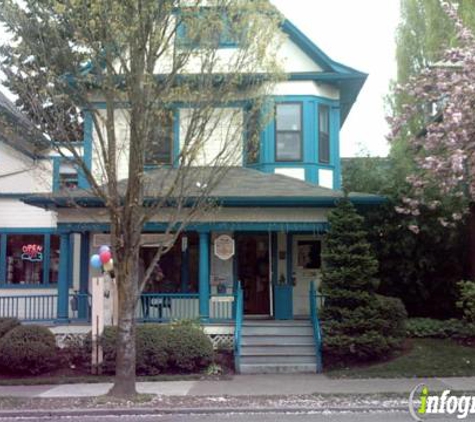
28, 350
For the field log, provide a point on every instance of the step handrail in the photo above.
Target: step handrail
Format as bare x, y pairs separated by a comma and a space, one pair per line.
238, 327
317, 331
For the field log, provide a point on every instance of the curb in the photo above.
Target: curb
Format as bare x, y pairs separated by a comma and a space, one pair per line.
191, 410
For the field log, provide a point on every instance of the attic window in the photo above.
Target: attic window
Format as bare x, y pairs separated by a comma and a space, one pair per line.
210, 28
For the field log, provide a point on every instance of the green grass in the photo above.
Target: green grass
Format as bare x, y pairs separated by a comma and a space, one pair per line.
426, 358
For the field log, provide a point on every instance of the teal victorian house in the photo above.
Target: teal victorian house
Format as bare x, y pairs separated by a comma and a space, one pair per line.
248, 269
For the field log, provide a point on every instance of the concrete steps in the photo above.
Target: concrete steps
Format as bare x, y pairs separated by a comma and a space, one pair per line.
269, 346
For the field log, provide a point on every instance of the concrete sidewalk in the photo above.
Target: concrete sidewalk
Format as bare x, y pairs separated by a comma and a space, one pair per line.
252, 385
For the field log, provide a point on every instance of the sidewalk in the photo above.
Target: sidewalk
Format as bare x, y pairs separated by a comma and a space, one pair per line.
251, 385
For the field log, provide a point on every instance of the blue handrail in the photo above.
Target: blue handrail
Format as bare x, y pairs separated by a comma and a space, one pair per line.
317, 332
238, 327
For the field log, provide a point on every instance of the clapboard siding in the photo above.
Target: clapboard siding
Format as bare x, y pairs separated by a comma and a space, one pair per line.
15, 214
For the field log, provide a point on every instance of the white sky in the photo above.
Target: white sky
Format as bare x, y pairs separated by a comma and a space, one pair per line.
360, 34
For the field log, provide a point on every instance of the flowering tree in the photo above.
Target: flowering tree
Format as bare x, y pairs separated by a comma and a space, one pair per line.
439, 123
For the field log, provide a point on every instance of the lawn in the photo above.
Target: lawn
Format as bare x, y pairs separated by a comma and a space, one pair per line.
424, 358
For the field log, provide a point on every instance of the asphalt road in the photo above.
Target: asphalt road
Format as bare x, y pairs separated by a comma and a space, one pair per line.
268, 417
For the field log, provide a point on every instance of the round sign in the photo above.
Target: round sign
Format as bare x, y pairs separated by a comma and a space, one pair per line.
224, 247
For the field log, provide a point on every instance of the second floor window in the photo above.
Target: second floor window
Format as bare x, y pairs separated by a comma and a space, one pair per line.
288, 132
324, 134
159, 149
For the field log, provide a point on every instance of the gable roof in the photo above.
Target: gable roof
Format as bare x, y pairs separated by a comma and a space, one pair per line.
239, 187
17, 131
348, 80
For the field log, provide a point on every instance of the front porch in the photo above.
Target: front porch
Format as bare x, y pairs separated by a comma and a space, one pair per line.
273, 267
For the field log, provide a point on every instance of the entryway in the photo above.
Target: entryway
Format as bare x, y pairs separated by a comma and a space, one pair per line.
253, 270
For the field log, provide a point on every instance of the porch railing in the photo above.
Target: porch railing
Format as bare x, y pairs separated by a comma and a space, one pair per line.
317, 332
42, 308
163, 307
238, 327
29, 307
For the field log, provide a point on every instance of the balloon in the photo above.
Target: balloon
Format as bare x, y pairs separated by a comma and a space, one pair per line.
104, 248
96, 261
105, 256
109, 265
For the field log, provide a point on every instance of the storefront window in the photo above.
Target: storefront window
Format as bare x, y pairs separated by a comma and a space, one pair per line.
25, 259
26, 255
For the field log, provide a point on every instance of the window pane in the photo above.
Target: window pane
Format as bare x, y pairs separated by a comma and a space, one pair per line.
288, 117
159, 149
324, 119
288, 146
54, 260
25, 259
324, 134
253, 129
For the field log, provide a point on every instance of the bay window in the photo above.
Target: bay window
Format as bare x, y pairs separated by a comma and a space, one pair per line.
288, 132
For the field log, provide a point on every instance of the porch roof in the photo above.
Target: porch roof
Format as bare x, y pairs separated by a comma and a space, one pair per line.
239, 186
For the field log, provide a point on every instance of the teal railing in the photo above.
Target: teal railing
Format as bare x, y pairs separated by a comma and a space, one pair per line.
317, 332
239, 310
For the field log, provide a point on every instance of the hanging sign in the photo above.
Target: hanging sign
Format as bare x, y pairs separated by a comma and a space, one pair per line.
224, 247
32, 253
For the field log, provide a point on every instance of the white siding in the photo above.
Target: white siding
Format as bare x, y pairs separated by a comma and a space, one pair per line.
16, 214
221, 140
295, 60
325, 178
21, 174
296, 173
306, 88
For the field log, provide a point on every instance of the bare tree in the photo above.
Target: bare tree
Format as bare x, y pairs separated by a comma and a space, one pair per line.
140, 58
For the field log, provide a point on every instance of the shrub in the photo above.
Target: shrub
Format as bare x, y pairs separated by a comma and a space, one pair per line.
181, 347
189, 348
28, 349
435, 328
7, 324
467, 300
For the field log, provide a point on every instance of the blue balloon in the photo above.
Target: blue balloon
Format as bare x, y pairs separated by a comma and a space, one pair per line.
96, 261
104, 248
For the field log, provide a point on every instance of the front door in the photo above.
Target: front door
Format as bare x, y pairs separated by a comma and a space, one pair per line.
253, 272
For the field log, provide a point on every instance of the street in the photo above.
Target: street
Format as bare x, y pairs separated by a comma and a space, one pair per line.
267, 417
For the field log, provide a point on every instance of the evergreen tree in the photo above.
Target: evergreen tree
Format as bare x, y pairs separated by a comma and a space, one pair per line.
358, 324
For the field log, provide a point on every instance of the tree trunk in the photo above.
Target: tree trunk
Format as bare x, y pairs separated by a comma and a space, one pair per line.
124, 383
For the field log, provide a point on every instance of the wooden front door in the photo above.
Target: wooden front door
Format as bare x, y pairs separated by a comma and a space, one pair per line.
253, 270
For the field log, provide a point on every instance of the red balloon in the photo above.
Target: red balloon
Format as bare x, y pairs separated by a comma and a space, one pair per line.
105, 256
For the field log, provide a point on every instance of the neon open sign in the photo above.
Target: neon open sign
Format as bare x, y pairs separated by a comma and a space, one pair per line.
32, 253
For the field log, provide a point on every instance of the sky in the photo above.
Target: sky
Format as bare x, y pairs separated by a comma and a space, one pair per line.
359, 34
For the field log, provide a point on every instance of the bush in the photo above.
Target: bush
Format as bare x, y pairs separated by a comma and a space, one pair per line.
435, 328
28, 350
7, 324
467, 300
189, 348
180, 347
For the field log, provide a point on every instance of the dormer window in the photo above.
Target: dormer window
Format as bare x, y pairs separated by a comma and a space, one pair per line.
324, 134
207, 27
288, 132
159, 149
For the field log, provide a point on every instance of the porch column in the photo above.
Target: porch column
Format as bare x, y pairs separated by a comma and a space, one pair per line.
63, 281
83, 302
204, 275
